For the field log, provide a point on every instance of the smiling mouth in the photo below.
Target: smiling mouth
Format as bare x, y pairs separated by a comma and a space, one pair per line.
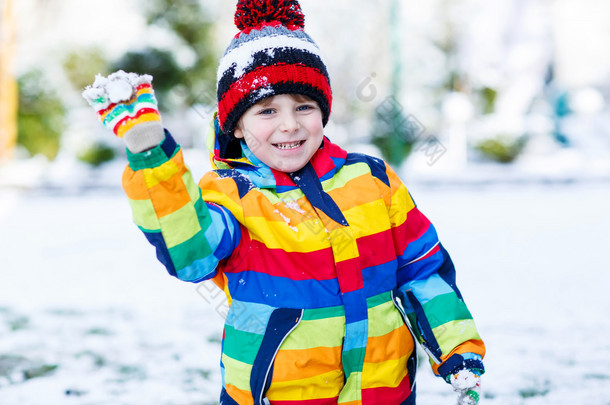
288, 145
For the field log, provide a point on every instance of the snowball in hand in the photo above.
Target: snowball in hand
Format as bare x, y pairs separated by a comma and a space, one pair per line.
119, 90
116, 88
464, 380
468, 385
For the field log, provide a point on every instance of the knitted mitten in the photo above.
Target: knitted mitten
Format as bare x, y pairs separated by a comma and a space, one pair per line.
126, 104
467, 383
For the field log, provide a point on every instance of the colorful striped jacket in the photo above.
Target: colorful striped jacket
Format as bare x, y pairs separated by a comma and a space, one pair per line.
324, 270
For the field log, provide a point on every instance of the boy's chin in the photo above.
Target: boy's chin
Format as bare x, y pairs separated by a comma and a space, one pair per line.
288, 167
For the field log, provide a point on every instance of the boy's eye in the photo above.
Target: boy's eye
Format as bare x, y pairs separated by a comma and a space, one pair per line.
266, 111
305, 107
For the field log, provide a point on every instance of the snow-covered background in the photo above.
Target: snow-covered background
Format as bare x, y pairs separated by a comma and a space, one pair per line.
88, 316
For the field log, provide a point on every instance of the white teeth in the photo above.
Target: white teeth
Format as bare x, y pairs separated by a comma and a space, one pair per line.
293, 145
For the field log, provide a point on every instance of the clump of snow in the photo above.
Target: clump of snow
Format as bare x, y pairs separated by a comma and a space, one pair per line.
468, 385
119, 90
117, 87
464, 380
264, 92
465, 399
259, 81
286, 220
293, 205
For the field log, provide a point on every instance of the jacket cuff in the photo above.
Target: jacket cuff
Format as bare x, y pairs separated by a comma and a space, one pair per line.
144, 136
457, 362
154, 157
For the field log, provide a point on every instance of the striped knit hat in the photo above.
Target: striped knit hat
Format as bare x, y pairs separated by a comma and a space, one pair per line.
270, 55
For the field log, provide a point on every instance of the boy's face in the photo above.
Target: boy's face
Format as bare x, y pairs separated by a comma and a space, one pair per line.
282, 131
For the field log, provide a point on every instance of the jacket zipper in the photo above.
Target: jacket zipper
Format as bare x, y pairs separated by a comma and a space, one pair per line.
408, 325
265, 400
429, 343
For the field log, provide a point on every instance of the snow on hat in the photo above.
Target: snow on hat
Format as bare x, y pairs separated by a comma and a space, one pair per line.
270, 55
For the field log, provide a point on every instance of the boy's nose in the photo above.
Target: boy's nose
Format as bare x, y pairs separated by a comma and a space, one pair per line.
289, 123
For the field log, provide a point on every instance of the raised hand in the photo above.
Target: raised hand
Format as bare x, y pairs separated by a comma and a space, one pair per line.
467, 383
126, 104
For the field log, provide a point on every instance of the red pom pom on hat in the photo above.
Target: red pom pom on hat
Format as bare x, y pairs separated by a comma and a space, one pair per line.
270, 55
254, 13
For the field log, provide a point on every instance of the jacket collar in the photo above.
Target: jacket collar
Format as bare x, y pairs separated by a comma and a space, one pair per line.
228, 153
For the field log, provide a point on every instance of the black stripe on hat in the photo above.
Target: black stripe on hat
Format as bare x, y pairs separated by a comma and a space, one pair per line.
262, 58
305, 89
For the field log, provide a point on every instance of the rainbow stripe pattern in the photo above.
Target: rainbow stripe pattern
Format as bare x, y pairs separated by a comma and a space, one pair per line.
121, 117
331, 272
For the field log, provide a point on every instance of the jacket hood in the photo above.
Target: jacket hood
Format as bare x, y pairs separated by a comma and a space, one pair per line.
227, 152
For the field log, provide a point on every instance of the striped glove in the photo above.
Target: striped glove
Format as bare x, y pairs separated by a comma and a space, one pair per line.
467, 383
126, 104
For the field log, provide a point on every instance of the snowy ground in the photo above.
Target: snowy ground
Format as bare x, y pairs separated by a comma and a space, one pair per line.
88, 316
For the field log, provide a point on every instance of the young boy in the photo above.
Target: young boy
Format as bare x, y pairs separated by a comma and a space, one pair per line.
329, 267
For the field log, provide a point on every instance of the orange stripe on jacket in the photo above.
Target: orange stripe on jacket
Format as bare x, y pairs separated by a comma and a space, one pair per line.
240, 396
134, 184
391, 346
471, 346
305, 363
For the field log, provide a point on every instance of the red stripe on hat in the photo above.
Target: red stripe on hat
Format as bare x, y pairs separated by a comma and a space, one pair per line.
271, 75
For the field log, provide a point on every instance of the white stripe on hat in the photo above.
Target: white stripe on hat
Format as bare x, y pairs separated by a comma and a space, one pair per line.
243, 55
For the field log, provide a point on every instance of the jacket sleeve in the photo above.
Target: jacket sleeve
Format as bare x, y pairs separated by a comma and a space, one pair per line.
426, 286
190, 235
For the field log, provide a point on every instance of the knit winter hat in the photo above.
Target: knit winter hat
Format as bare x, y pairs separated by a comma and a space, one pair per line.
270, 55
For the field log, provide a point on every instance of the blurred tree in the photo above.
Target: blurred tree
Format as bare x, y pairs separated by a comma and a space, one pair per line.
193, 30
41, 116
392, 132
96, 154
8, 85
447, 42
158, 63
502, 148
488, 97
80, 66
